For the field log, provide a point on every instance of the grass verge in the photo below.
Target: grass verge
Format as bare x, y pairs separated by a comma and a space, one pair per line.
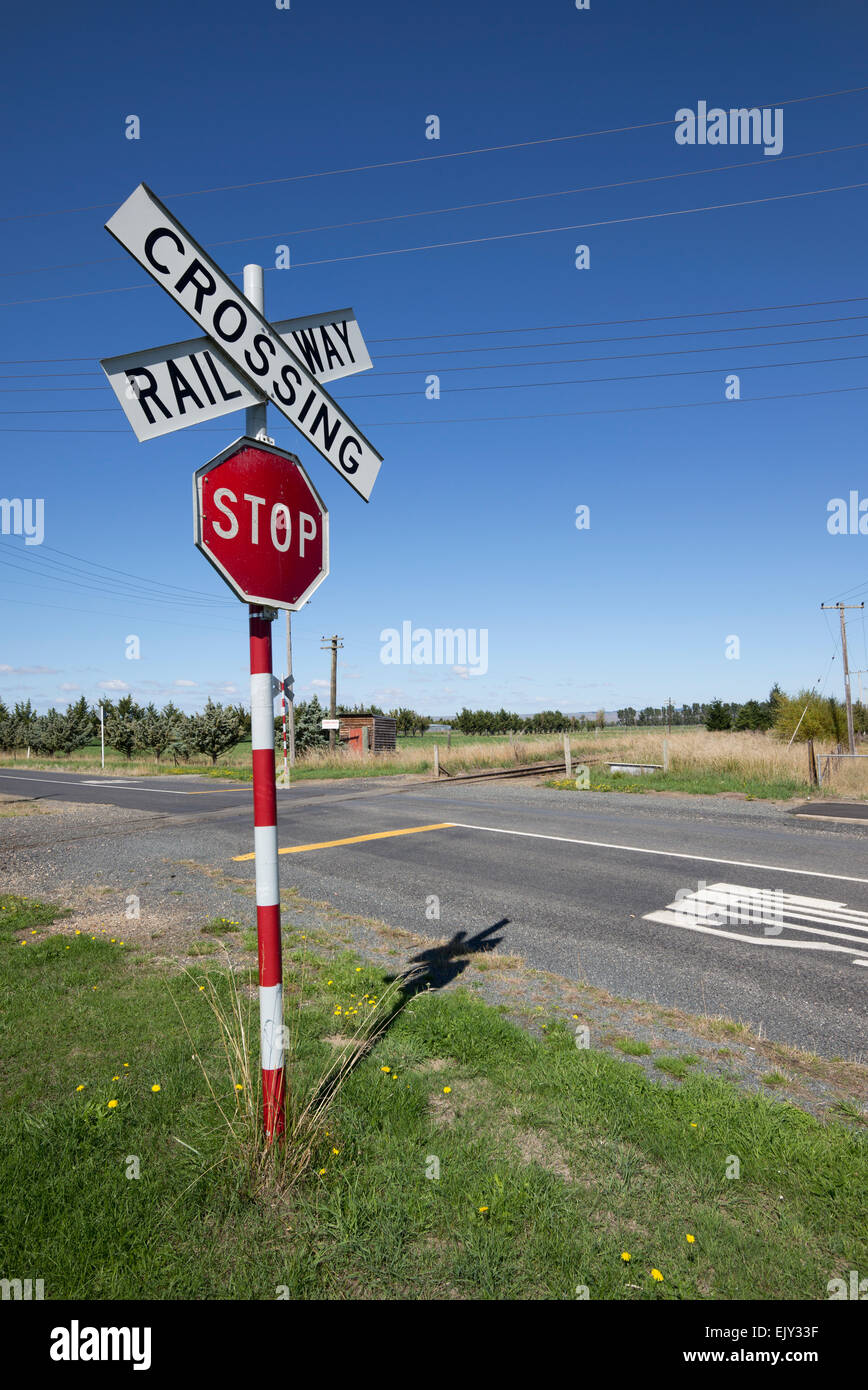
462, 1157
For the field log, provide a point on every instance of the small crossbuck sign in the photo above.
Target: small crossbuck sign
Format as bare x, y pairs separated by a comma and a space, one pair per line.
769, 917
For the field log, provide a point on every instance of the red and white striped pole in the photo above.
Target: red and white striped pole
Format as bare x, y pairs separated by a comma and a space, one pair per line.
271, 1032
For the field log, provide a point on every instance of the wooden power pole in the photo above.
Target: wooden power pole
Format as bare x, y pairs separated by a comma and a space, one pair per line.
333, 643
851, 740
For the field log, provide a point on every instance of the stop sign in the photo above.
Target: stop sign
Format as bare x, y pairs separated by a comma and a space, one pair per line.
262, 524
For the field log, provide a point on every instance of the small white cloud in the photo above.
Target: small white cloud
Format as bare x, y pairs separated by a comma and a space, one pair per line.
66, 686
320, 685
461, 671
113, 685
187, 683
29, 670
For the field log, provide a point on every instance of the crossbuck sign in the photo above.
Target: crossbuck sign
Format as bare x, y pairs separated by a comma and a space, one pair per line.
242, 339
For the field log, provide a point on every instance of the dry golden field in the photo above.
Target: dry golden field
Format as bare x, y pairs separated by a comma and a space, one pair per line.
698, 760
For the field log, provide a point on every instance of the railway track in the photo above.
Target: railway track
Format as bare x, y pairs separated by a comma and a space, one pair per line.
522, 770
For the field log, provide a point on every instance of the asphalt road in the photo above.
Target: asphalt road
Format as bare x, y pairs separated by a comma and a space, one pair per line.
696, 903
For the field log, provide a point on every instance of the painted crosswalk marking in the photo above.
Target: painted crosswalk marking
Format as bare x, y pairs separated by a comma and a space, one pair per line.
769, 917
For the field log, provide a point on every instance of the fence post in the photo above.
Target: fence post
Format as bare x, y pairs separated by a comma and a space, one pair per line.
436, 760
568, 762
812, 764
366, 742
665, 755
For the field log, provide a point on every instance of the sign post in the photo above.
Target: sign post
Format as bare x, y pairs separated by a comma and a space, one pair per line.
258, 518
271, 1035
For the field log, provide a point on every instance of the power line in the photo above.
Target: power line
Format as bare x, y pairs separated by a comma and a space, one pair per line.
426, 159
460, 207
173, 593
474, 241
511, 347
514, 385
570, 227
101, 613
497, 366
544, 327
489, 419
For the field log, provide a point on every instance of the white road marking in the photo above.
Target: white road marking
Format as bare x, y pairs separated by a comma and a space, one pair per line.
98, 782
774, 911
662, 853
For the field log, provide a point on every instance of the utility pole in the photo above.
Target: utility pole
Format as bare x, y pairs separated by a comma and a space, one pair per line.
333, 643
291, 711
840, 607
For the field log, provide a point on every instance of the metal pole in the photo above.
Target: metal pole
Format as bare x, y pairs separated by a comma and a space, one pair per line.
256, 423
101, 736
285, 767
567, 757
271, 1034
851, 741
289, 674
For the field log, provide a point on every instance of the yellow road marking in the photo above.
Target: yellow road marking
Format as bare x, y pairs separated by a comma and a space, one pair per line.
214, 791
354, 839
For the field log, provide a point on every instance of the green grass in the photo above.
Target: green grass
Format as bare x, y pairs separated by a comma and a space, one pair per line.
633, 1047
553, 1160
696, 783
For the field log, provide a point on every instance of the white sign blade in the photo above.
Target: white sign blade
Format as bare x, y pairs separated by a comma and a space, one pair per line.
167, 388
164, 248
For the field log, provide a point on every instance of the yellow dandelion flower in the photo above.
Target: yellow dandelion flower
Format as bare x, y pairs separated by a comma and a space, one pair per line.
446, 1090
358, 970
626, 1256
80, 1088
335, 1151
78, 933
691, 1240
321, 1171
126, 1064
481, 1209
385, 1068
115, 1078
112, 1104
657, 1276
238, 1086
156, 1087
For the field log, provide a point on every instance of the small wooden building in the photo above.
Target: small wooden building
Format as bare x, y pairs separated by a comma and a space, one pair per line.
381, 732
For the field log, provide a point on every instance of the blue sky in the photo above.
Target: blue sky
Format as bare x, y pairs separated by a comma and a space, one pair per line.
706, 521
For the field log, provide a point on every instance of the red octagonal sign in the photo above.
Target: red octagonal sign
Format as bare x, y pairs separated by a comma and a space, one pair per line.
262, 524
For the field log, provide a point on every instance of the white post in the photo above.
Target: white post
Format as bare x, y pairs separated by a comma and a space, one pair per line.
256, 423
436, 760
568, 762
665, 755
101, 736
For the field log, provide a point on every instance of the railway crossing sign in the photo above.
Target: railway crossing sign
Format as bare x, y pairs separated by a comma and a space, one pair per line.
262, 524
255, 348
167, 388
258, 518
